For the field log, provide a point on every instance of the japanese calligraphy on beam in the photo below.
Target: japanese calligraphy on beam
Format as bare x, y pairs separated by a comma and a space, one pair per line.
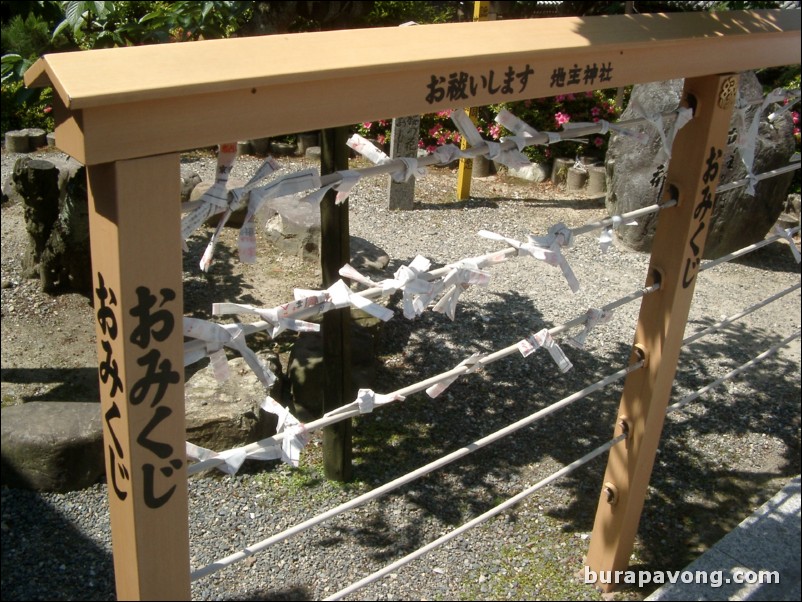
138, 100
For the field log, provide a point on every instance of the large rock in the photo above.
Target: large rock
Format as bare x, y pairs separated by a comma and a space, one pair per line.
738, 220
237, 218
225, 415
295, 231
53, 192
58, 446
52, 445
297, 238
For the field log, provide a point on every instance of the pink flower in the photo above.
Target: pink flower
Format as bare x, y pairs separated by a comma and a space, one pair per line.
595, 111
794, 117
48, 108
494, 131
381, 138
383, 123
570, 97
562, 118
434, 131
598, 141
559, 98
367, 125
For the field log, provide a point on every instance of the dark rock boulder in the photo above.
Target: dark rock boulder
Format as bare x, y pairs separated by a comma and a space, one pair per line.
635, 179
57, 221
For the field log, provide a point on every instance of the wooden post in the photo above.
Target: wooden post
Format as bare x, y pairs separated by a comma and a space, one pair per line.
676, 255
134, 222
481, 11
404, 138
334, 253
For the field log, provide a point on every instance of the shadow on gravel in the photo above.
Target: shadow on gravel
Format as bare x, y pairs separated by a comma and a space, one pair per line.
704, 481
289, 593
775, 257
46, 557
697, 494
419, 430
202, 289
477, 202
71, 384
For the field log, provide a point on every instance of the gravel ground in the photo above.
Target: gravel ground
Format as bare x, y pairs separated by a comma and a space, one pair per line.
719, 459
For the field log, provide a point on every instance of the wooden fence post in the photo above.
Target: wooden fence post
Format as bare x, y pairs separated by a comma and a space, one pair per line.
134, 221
676, 255
404, 138
335, 251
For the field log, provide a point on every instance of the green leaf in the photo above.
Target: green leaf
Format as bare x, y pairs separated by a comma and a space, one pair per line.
74, 15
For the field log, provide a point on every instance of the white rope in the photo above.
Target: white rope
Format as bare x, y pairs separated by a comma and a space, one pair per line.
517, 498
325, 421
482, 518
514, 500
396, 166
614, 219
411, 476
733, 373
730, 319
460, 370
250, 550
746, 250
763, 176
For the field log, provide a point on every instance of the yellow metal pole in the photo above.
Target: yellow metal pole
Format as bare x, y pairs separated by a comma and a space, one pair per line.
676, 255
481, 11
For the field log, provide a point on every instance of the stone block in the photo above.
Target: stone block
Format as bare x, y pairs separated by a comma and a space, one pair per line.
222, 415
52, 445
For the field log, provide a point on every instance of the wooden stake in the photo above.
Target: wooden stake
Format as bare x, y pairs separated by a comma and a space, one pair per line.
335, 252
676, 255
136, 261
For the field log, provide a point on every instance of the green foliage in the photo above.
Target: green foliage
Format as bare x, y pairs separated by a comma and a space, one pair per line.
25, 36
90, 25
23, 109
29, 36
189, 20
396, 12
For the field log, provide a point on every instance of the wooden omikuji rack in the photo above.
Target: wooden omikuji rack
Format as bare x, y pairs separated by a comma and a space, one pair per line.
127, 113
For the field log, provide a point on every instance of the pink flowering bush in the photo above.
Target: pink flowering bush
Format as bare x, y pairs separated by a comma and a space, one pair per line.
545, 115
376, 130
436, 129
553, 113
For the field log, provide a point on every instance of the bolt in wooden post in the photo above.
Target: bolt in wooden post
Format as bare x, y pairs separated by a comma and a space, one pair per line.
134, 222
676, 255
334, 253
